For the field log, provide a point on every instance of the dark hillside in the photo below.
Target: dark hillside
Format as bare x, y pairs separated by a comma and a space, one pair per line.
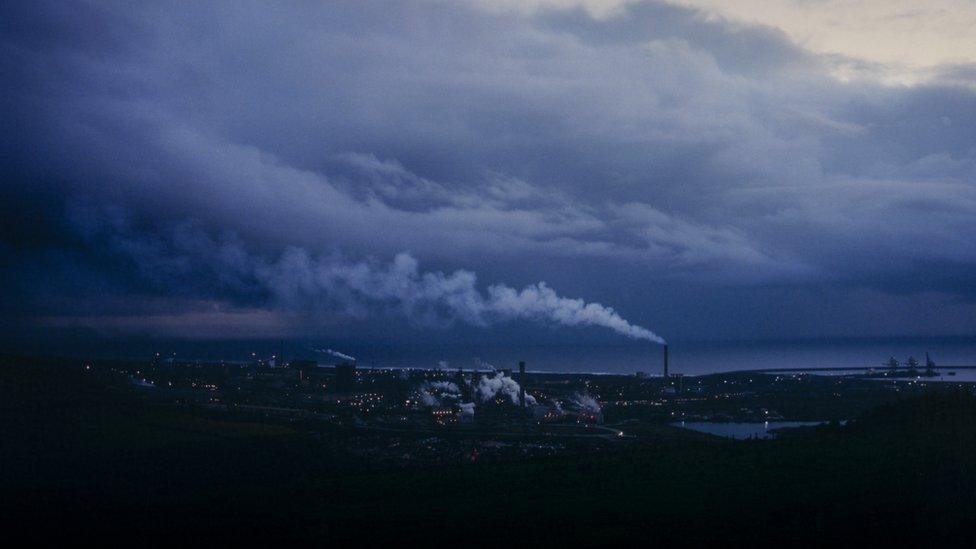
83, 458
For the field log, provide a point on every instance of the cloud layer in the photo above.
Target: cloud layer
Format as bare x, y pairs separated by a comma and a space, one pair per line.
640, 156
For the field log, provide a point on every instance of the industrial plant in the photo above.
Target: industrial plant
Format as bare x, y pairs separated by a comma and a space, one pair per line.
447, 414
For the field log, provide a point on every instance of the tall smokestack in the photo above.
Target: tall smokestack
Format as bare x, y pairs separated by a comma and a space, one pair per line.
522, 383
665, 361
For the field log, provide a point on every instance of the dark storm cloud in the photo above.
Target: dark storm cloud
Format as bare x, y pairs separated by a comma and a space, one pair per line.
157, 153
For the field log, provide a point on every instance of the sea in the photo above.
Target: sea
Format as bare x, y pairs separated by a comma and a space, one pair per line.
623, 358
693, 358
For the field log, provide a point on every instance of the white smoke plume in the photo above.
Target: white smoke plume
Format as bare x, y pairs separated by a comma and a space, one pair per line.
467, 408
299, 280
484, 365
429, 399
490, 386
445, 386
539, 302
336, 354
432, 297
433, 393
586, 402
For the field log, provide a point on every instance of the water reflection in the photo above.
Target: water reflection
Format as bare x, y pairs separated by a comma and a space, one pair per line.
742, 431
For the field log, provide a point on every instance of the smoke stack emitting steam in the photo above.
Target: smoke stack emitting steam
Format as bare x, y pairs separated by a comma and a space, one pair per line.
430, 297
298, 279
488, 387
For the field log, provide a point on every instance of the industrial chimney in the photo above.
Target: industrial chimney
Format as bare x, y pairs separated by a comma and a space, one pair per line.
521, 383
665, 362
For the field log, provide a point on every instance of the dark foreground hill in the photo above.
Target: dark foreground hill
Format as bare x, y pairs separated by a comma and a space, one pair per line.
82, 461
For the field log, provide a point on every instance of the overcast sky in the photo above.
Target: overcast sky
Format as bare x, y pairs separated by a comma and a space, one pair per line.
711, 170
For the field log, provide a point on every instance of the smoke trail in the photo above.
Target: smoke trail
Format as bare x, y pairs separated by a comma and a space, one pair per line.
434, 297
428, 399
433, 393
185, 254
586, 402
446, 386
488, 387
556, 405
540, 302
336, 354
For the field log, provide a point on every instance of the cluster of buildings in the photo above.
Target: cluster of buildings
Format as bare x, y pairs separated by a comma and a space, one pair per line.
482, 399
393, 415
343, 392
